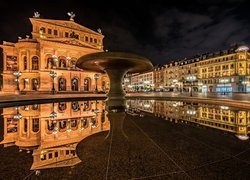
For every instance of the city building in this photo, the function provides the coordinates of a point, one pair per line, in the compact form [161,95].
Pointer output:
[51,132]
[159,78]
[142,82]
[46,60]
[224,71]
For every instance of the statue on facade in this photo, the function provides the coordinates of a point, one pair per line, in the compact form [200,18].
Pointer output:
[36,15]
[71,15]
[99,30]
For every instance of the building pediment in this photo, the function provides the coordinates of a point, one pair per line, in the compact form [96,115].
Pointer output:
[67,24]
[71,41]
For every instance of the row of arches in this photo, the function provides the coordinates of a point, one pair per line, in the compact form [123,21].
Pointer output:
[34,63]
[60,62]
[62,84]
[34,84]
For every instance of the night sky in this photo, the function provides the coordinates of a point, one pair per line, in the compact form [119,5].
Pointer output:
[159,32]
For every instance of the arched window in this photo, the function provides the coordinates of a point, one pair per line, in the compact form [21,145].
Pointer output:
[35,124]
[25,63]
[93,123]
[35,63]
[86,105]
[35,84]
[75,106]
[50,125]
[62,84]
[62,106]
[73,123]
[50,62]
[84,123]
[74,84]
[73,63]
[86,84]
[63,124]
[62,62]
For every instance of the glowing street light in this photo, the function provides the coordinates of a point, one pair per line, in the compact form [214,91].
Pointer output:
[53,75]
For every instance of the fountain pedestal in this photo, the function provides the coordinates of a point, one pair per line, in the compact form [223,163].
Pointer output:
[116,65]
[116,95]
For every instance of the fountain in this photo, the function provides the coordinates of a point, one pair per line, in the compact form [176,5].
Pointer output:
[116,65]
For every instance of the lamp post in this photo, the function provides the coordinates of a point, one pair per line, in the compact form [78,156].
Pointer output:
[191,79]
[53,75]
[96,76]
[17,74]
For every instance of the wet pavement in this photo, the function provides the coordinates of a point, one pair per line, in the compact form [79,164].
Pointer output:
[125,145]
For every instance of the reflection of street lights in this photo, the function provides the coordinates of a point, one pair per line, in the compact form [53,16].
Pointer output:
[96,76]
[191,112]
[224,81]
[53,75]
[17,74]
[191,79]
[53,114]
[96,110]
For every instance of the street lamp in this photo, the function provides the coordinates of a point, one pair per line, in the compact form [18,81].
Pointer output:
[17,74]
[191,79]
[96,76]
[53,75]
[224,81]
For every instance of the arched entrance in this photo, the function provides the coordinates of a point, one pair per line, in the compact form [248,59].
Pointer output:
[62,84]
[35,84]
[74,84]
[86,84]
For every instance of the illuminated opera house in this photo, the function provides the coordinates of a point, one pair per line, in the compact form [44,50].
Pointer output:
[48,58]
[51,132]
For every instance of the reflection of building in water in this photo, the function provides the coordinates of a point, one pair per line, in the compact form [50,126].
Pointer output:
[144,105]
[52,131]
[219,117]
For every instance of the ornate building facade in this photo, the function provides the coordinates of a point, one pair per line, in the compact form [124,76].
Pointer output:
[224,71]
[48,59]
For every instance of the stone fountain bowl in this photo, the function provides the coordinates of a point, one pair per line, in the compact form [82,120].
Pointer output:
[102,61]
